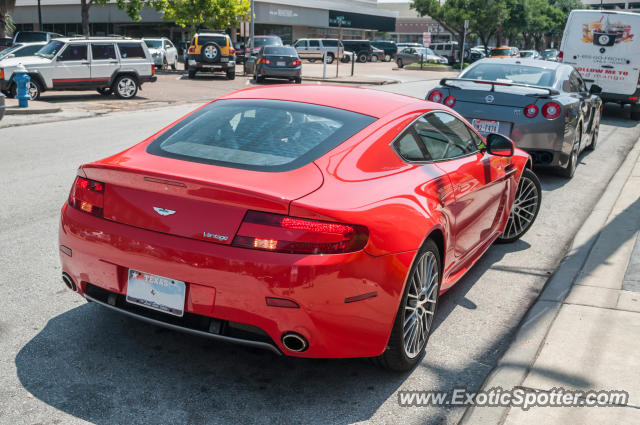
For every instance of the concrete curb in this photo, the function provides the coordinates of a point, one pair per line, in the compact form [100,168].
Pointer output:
[338,80]
[514,365]
[14,110]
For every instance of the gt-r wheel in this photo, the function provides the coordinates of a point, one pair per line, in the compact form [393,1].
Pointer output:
[126,87]
[524,209]
[570,169]
[594,136]
[416,313]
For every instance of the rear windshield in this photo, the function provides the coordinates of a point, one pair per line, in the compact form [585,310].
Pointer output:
[280,50]
[511,73]
[502,52]
[220,40]
[264,135]
[31,37]
[267,41]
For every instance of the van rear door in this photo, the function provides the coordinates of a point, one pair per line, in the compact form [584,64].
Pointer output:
[605,49]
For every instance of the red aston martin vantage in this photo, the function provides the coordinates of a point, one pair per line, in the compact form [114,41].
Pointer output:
[313,221]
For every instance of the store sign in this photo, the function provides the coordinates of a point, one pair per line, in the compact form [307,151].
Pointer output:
[362,21]
[426,38]
[290,15]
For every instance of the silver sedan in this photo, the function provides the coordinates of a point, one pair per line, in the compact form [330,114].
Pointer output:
[544,107]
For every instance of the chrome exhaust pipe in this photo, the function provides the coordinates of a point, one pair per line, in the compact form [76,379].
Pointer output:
[69,282]
[294,342]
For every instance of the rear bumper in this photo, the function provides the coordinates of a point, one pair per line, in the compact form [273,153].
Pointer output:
[621,98]
[230,284]
[269,71]
[194,63]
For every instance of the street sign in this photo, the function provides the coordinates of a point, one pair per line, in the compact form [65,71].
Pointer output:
[466,24]
[426,38]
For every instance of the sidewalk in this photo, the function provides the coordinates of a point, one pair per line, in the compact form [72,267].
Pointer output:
[583,333]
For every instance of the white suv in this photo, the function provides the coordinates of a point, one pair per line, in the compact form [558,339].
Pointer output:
[109,65]
[315,48]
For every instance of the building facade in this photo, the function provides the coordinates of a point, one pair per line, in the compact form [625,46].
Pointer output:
[289,19]
[410,26]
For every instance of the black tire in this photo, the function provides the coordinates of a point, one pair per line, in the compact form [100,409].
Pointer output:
[400,64]
[395,356]
[362,57]
[192,74]
[258,78]
[311,60]
[165,64]
[298,80]
[594,134]
[131,89]
[174,65]
[635,112]
[211,53]
[528,176]
[345,59]
[387,58]
[7,93]
[330,58]
[570,169]
[105,91]
[231,75]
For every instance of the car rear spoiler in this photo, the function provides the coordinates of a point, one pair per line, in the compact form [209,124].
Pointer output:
[551,92]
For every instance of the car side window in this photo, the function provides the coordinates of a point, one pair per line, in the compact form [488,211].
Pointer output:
[300,44]
[131,51]
[409,148]
[445,136]
[314,43]
[574,83]
[74,52]
[167,44]
[103,51]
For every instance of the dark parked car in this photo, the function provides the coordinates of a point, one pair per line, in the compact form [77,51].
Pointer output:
[388,47]
[362,49]
[2,107]
[544,107]
[550,55]
[275,62]
[475,55]
[240,54]
[5,43]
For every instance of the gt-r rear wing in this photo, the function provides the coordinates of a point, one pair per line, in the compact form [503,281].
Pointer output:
[550,92]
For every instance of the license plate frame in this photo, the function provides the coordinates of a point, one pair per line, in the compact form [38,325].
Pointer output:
[155,292]
[486,126]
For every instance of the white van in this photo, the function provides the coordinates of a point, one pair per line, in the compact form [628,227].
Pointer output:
[604,46]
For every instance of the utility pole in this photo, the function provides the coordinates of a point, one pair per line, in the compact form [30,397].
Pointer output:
[39,17]
[252,25]
[464,40]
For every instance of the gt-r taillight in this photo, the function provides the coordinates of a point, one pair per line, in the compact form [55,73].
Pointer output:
[294,235]
[551,110]
[435,96]
[87,195]
[450,101]
[296,62]
[531,111]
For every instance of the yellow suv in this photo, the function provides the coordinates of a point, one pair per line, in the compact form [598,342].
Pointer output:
[211,52]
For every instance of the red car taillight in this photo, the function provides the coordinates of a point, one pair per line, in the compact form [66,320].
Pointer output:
[87,195]
[435,96]
[264,61]
[281,233]
[530,111]
[192,49]
[296,62]
[560,56]
[153,70]
[450,101]
[551,110]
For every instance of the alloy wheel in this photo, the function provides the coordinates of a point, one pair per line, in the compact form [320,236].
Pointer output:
[34,91]
[419,309]
[126,87]
[524,209]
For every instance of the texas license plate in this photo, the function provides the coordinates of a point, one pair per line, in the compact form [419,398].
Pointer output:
[156,292]
[486,126]
[281,63]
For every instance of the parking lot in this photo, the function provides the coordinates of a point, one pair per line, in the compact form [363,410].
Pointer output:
[65,361]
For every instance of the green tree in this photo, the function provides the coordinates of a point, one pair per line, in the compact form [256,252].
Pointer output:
[450,15]
[487,18]
[5,20]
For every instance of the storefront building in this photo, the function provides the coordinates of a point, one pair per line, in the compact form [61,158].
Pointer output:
[285,18]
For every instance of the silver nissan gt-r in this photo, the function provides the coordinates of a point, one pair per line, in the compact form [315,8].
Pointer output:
[544,107]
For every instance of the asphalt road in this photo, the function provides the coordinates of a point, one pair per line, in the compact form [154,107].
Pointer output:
[63,361]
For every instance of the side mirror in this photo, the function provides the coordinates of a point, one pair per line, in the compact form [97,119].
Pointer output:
[499,145]
[595,89]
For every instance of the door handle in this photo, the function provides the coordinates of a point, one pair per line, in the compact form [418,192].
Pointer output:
[85,62]
[607,66]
